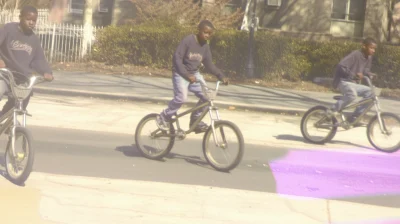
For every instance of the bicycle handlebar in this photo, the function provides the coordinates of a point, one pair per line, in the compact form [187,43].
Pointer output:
[205,85]
[368,80]
[33,80]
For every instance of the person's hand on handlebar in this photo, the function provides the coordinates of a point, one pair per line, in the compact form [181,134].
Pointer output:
[372,75]
[48,77]
[360,76]
[2,64]
[225,81]
[192,79]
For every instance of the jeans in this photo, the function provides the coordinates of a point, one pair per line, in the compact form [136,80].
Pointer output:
[350,92]
[181,88]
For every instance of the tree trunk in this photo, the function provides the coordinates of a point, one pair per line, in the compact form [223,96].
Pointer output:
[87,26]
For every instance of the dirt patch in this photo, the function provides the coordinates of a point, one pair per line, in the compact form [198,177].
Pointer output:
[103,69]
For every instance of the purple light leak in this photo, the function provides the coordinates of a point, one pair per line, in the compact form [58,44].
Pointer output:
[330,174]
[372,222]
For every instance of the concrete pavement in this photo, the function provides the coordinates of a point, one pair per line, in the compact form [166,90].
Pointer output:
[120,116]
[155,89]
[74,199]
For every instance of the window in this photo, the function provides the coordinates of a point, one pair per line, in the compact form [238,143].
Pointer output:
[76,6]
[273,3]
[103,6]
[352,10]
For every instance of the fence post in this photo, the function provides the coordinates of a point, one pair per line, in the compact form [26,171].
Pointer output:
[52,42]
[87,26]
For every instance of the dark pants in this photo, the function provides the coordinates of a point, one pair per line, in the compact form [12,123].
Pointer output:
[4,88]
[11,103]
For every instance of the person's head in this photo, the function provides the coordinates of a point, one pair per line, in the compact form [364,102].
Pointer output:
[28,17]
[369,46]
[206,29]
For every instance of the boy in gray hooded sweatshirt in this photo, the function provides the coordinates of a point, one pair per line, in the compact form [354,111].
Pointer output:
[21,52]
[348,75]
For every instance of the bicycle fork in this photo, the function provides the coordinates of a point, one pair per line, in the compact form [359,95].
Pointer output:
[380,121]
[214,116]
[17,112]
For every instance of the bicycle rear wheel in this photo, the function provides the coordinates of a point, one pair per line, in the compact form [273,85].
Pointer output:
[151,141]
[316,117]
[227,137]
[19,167]
[388,140]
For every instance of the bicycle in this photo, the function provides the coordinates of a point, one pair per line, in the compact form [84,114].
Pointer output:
[218,129]
[330,123]
[14,159]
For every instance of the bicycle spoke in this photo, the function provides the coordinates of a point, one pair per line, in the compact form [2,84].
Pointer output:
[218,154]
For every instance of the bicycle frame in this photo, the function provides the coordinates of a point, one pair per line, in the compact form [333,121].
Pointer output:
[11,116]
[373,101]
[12,122]
[213,116]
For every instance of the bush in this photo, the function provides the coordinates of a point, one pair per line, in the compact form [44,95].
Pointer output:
[276,57]
[142,45]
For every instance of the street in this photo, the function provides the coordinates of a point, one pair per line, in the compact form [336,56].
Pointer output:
[95,139]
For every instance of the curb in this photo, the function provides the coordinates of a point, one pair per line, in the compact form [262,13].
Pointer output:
[141,98]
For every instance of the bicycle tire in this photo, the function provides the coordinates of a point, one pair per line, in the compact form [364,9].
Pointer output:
[239,136]
[305,133]
[19,180]
[369,132]
[138,133]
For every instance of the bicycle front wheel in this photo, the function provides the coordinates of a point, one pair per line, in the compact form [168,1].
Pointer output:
[19,166]
[225,151]
[315,118]
[388,139]
[151,141]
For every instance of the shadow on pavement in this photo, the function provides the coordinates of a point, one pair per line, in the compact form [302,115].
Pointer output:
[2,167]
[301,139]
[384,200]
[3,171]
[132,151]
[253,172]
[129,151]
[194,160]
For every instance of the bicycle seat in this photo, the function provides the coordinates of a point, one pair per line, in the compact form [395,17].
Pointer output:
[338,97]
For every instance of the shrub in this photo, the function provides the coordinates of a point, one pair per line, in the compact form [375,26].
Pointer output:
[276,57]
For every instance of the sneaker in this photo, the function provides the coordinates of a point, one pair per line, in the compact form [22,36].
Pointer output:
[162,122]
[351,119]
[200,128]
[331,113]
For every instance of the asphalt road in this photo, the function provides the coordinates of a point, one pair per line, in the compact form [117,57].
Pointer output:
[319,173]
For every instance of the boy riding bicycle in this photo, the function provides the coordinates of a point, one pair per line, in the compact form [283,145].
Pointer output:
[188,57]
[349,74]
[21,52]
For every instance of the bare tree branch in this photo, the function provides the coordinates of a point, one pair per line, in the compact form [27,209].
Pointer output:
[186,12]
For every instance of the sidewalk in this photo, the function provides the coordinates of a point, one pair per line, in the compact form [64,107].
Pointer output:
[125,201]
[154,89]
[49,198]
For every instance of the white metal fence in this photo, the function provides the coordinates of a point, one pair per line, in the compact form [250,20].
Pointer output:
[61,42]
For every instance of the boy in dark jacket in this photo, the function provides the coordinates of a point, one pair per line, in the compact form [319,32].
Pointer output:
[188,57]
[348,75]
[21,52]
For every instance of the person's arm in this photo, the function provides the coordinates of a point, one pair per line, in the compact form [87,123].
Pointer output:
[40,64]
[3,35]
[207,61]
[345,64]
[180,53]
[367,70]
